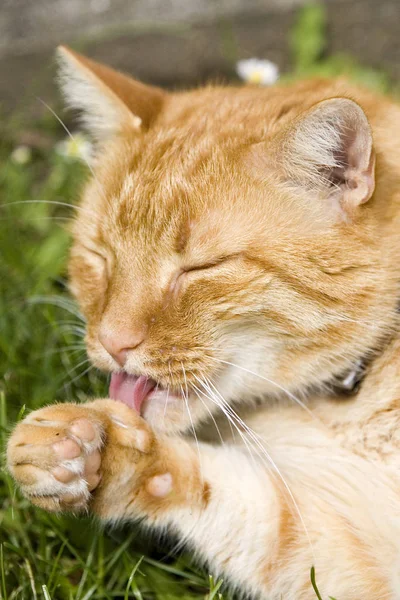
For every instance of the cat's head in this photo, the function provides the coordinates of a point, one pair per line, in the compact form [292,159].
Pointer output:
[223,249]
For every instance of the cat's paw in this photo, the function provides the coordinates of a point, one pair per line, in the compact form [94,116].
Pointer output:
[54,454]
[101,455]
[60,454]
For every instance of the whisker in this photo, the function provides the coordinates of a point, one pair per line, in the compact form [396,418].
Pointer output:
[51,202]
[48,218]
[231,423]
[186,399]
[71,371]
[277,385]
[208,383]
[74,331]
[73,325]
[67,131]
[166,404]
[196,391]
[80,375]
[70,350]
[60,302]
[256,439]
[70,323]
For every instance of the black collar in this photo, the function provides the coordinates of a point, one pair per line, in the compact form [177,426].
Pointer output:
[350,383]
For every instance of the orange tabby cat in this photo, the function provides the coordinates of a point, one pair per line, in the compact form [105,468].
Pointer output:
[236,245]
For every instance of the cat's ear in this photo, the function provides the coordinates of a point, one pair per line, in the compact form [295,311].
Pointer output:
[108,101]
[329,149]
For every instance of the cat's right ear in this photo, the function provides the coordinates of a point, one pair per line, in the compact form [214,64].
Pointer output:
[108,101]
[326,151]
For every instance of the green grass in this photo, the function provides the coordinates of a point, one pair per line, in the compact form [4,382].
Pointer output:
[42,359]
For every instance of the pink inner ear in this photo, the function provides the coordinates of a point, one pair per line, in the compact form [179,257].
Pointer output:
[329,150]
[369,175]
[359,184]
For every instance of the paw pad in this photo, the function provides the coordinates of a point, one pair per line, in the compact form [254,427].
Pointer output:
[63,475]
[84,430]
[67,449]
[160,485]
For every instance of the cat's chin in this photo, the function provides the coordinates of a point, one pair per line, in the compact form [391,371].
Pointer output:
[165,412]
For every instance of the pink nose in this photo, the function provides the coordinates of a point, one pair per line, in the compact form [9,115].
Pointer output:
[119,343]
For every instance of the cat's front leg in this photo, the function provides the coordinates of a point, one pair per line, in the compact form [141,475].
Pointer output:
[61,453]
[103,457]
[227,504]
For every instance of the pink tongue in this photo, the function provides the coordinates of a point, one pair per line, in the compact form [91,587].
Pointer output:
[130,390]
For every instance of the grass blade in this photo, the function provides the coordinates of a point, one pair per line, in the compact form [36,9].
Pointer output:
[46,593]
[3,575]
[136,591]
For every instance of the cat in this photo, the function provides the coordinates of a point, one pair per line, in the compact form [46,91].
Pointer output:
[236,255]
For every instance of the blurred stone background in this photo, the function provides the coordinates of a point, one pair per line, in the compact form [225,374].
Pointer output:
[176,42]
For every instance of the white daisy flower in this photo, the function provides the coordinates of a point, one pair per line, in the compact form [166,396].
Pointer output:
[21,155]
[257,71]
[77,147]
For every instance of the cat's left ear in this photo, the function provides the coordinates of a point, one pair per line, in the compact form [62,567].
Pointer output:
[108,101]
[328,150]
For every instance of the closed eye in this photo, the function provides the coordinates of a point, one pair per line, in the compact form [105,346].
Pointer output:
[95,251]
[203,267]
[209,265]
[98,257]
[184,272]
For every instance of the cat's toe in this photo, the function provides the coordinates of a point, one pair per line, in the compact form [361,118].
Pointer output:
[56,461]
